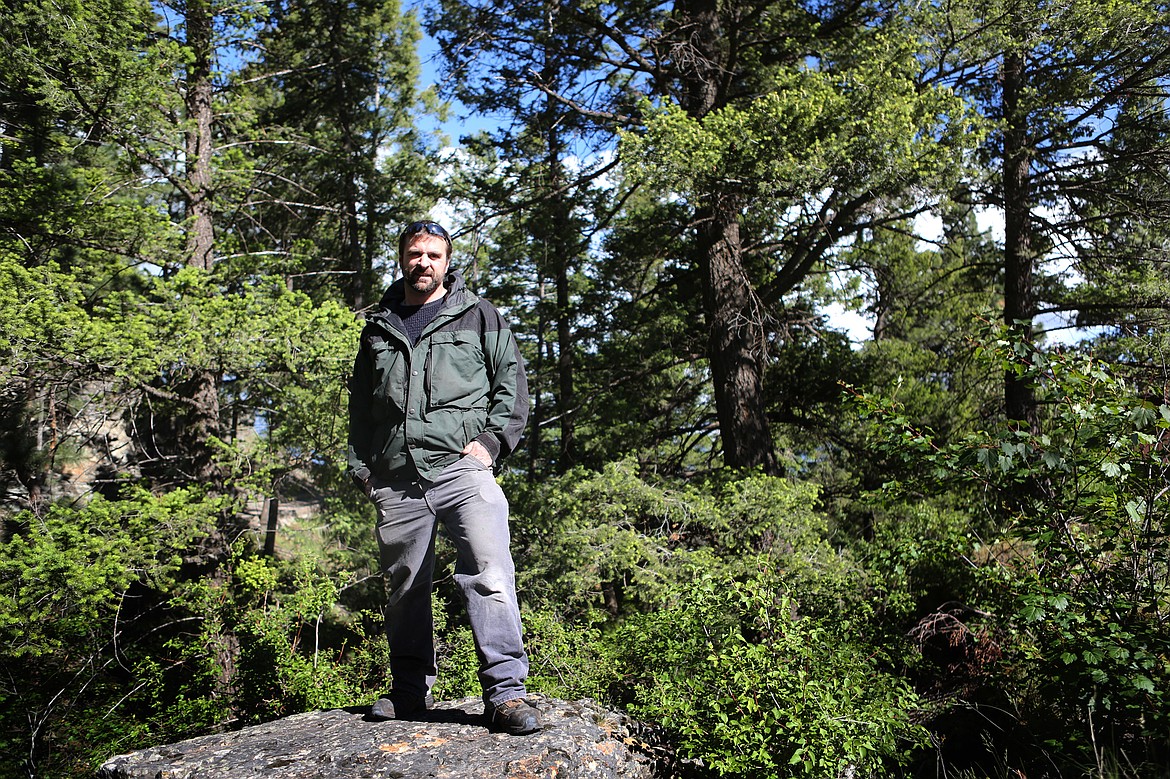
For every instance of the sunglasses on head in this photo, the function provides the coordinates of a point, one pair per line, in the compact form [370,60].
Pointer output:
[424,226]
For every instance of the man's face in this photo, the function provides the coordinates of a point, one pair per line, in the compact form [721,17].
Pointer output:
[424,265]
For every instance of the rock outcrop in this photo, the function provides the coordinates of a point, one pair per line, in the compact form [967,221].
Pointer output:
[452,740]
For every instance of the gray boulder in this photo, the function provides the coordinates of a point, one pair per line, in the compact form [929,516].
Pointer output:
[580,739]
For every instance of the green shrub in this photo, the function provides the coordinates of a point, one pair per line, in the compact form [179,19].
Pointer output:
[1076,575]
[568,661]
[83,602]
[608,541]
[297,649]
[752,690]
[618,542]
[457,659]
[918,558]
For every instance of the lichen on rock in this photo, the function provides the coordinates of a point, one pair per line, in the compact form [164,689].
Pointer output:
[580,739]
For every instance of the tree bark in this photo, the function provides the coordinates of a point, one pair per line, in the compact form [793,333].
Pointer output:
[735,342]
[562,246]
[566,392]
[560,241]
[736,337]
[536,418]
[1018,299]
[201,422]
[350,230]
[200,229]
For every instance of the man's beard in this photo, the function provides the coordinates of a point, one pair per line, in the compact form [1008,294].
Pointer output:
[425,284]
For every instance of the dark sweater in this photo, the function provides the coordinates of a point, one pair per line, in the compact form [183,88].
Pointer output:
[416,318]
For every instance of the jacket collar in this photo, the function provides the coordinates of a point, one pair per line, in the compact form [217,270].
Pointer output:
[457,300]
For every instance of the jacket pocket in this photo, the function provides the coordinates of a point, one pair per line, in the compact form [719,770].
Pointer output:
[456,371]
[389,375]
[474,423]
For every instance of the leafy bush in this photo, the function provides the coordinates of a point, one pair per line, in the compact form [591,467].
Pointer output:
[569,661]
[289,658]
[82,604]
[458,660]
[917,558]
[1079,573]
[718,610]
[619,542]
[752,689]
[608,541]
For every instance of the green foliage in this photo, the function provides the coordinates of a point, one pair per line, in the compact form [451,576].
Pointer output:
[65,573]
[458,664]
[639,388]
[593,540]
[180,692]
[918,558]
[344,159]
[756,674]
[570,660]
[110,644]
[863,122]
[1080,563]
[271,639]
[83,594]
[753,689]
[128,617]
[282,359]
[285,663]
[618,542]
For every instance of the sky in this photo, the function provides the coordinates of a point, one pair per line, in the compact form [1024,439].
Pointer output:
[460,120]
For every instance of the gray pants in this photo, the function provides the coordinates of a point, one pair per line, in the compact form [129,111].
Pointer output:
[471,506]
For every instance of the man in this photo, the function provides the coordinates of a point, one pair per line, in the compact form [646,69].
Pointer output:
[438,397]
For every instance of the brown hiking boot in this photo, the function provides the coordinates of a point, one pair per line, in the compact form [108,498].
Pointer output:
[517,716]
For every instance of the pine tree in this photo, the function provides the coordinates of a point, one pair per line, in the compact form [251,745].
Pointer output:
[337,86]
[545,186]
[777,160]
[1056,84]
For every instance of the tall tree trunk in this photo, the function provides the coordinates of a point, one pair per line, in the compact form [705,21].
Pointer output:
[883,304]
[565,367]
[536,418]
[199,426]
[563,247]
[349,243]
[201,234]
[351,240]
[201,392]
[366,292]
[736,338]
[561,241]
[1018,302]
[735,342]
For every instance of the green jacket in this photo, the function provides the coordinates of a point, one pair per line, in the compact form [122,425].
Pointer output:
[412,410]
